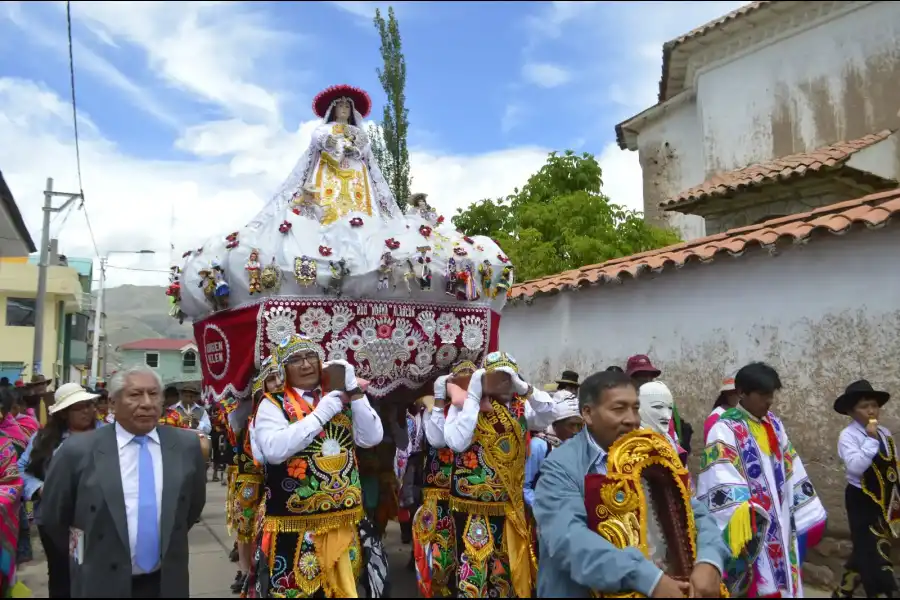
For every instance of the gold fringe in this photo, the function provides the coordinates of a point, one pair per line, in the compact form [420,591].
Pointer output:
[739,531]
[436,494]
[314,523]
[474,507]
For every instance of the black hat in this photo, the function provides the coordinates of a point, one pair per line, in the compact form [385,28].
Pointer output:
[568,378]
[855,392]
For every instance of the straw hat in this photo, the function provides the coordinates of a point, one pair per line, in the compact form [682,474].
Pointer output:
[68,395]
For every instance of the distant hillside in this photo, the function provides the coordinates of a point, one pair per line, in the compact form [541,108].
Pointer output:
[135,312]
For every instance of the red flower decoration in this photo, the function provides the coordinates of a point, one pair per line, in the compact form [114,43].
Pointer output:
[460,251]
[392,243]
[232,244]
[384,331]
[285,227]
[425,230]
[232,236]
[356,222]
[468,239]
[502,258]
[324,250]
[440,219]
[186,254]
[296,211]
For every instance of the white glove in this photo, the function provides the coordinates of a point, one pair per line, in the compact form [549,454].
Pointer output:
[440,388]
[328,407]
[350,382]
[475,386]
[519,385]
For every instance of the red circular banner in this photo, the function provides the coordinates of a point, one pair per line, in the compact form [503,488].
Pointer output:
[215,351]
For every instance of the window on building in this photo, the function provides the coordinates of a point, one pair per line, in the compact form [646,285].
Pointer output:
[20,312]
[80,327]
[189,360]
[152,359]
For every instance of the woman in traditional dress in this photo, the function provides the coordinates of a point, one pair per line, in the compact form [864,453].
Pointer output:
[728,398]
[10,428]
[10,501]
[73,412]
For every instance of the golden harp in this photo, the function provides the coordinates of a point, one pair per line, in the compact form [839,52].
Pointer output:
[644,501]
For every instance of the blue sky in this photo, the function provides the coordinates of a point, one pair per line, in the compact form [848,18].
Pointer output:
[199,109]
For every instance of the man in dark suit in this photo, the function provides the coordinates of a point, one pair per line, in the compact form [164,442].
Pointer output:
[121,499]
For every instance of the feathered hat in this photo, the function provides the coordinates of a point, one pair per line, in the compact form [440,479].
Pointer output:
[323,100]
[295,344]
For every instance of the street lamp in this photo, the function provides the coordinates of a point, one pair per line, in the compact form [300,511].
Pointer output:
[98,315]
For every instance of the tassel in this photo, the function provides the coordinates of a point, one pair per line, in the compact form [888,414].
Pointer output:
[740,528]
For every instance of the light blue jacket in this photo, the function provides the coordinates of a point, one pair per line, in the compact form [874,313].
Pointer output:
[574,559]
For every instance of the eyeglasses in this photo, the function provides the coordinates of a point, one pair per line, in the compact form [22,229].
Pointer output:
[310,358]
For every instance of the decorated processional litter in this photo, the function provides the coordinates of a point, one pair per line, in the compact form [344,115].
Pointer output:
[332,257]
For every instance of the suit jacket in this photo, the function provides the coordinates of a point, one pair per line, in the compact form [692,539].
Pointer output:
[83,490]
[574,559]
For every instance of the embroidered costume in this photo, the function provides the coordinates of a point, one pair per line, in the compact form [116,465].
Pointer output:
[759,493]
[434,530]
[10,494]
[309,541]
[494,541]
[872,498]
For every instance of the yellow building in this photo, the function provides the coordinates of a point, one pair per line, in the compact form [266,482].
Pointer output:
[18,291]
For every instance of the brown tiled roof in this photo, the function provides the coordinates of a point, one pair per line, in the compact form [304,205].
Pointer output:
[773,171]
[672,45]
[873,211]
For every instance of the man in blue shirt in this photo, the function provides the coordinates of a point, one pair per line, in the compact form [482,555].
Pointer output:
[576,560]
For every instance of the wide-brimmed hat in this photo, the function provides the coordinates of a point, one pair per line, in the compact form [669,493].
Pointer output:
[728,383]
[640,363]
[191,386]
[68,395]
[855,392]
[323,100]
[568,378]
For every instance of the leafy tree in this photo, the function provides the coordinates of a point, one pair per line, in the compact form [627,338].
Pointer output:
[561,220]
[394,159]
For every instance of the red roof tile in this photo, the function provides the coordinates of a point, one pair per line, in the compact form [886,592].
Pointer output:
[672,45]
[773,171]
[873,211]
[156,344]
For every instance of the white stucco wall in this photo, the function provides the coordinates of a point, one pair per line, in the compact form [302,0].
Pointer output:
[824,314]
[835,81]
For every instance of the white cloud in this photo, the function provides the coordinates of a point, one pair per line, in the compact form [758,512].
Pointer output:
[546,75]
[512,116]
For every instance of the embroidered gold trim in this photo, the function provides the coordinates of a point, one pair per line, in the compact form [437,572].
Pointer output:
[474,507]
[436,494]
[313,523]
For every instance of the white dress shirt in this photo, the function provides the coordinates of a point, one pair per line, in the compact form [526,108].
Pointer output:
[277,440]
[129,456]
[204,425]
[433,422]
[857,449]
[459,428]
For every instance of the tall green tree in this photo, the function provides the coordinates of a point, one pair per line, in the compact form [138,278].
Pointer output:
[561,220]
[394,160]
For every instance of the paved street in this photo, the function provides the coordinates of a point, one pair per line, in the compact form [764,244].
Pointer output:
[212,573]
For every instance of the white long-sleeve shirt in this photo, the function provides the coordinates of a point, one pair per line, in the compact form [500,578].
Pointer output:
[203,422]
[857,449]
[277,440]
[129,463]
[459,428]
[433,422]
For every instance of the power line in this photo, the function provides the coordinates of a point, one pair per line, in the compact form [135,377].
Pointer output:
[137,269]
[74,104]
[87,220]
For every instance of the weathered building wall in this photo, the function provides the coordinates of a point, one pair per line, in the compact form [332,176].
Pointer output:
[776,91]
[824,314]
[672,160]
[835,81]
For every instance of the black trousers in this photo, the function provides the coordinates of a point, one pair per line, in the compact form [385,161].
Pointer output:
[145,586]
[58,584]
[870,562]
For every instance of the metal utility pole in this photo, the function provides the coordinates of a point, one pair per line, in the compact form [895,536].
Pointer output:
[98,320]
[98,314]
[49,194]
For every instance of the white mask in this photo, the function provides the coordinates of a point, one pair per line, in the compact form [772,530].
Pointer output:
[656,407]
